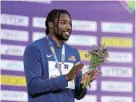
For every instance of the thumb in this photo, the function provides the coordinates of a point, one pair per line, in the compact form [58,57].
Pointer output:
[77,63]
[90,71]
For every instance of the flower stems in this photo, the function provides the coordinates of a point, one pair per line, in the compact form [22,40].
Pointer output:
[96,56]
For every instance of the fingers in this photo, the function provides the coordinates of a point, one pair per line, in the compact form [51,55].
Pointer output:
[95,74]
[77,63]
[89,72]
[74,71]
[79,67]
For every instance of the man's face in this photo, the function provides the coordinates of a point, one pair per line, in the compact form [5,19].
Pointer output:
[63,27]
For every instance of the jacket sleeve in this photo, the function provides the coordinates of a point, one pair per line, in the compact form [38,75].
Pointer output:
[79,91]
[33,71]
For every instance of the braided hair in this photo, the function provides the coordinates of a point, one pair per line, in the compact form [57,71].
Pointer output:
[52,15]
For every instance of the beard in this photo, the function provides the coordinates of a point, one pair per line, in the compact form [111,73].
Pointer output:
[61,36]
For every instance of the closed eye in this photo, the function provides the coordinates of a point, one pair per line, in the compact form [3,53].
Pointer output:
[63,22]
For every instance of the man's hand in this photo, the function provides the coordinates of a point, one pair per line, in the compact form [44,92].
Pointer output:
[86,75]
[74,71]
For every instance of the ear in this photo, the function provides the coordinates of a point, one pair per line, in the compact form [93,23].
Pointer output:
[50,24]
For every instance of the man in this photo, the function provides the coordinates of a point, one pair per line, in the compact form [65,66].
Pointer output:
[53,68]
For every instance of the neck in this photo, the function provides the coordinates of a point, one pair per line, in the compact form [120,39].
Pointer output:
[59,42]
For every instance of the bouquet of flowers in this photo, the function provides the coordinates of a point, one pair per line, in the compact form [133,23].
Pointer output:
[95,57]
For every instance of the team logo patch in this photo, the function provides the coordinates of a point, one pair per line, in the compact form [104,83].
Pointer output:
[72,58]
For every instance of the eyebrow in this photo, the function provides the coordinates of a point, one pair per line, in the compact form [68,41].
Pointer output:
[65,20]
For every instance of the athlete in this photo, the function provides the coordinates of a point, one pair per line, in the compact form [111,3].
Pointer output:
[53,68]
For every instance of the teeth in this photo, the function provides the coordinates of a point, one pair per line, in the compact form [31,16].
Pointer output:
[67,33]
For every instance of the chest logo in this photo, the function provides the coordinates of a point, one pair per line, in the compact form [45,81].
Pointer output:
[49,55]
[72,58]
